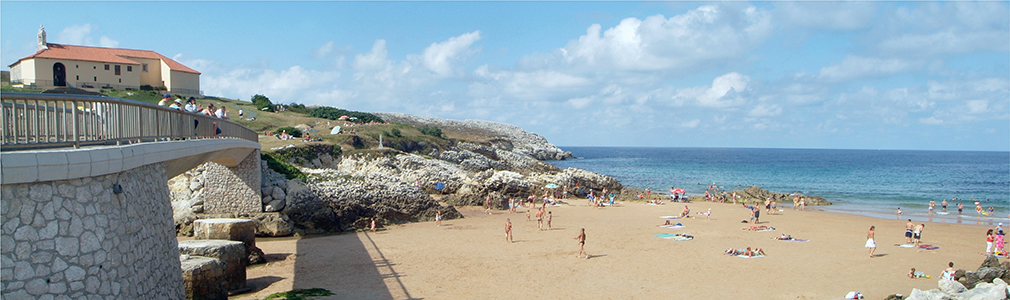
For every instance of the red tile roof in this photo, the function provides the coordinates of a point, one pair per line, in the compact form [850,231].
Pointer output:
[110,55]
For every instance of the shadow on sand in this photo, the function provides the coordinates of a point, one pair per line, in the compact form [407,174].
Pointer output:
[344,265]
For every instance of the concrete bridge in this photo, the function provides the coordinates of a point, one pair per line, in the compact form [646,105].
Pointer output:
[85,203]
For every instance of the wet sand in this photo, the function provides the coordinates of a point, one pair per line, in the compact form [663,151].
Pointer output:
[469,258]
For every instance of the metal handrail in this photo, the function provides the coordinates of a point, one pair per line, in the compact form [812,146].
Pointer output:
[58,120]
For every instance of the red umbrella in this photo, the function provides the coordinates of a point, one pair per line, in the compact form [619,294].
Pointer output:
[678,191]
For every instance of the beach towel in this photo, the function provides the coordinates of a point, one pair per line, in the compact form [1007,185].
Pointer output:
[672,226]
[793,240]
[766,230]
[669,217]
[928,247]
[905,245]
[674,236]
[755,256]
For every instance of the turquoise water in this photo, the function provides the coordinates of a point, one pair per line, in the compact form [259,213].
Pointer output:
[870,182]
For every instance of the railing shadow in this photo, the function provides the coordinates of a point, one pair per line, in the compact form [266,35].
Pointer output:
[349,265]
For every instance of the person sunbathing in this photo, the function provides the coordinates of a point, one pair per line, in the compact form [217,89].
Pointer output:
[757,228]
[686,212]
[752,253]
[733,251]
[785,237]
[666,224]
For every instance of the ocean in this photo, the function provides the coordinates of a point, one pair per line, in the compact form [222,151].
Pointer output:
[866,182]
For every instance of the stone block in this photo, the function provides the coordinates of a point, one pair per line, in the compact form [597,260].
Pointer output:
[203,278]
[231,252]
[241,230]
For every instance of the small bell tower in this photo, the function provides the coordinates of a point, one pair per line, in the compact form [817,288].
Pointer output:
[42,39]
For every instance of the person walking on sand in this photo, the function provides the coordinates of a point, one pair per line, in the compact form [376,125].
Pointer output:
[908,231]
[438,218]
[373,224]
[917,234]
[508,230]
[803,204]
[582,243]
[870,243]
[540,219]
[487,202]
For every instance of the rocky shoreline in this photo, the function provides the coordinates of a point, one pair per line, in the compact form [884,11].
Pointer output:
[344,192]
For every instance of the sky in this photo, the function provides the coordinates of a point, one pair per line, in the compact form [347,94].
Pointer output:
[827,75]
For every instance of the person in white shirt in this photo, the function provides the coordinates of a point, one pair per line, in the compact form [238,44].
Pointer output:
[221,113]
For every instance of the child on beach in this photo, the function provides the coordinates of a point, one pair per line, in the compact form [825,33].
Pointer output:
[438,218]
[549,217]
[917,274]
[508,230]
[582,243]
[870,243]
[989,237]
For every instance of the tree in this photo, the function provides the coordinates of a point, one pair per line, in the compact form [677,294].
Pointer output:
[262,102]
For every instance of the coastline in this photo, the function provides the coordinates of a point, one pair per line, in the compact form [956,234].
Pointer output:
[467,258]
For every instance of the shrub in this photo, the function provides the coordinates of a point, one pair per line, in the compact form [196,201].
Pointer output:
[431,130]
[291,130]
[395,132]
[262,102]
[333,113]
[289,171]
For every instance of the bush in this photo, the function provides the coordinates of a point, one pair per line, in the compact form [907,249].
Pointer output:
[262,102]
[431,130]
[333,113]
[289,171]
[298,108]
[291,130]
[395,132]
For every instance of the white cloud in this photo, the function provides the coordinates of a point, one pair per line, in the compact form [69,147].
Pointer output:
[702,35]
[854,67]
[827,15]
[721,94]
[765,110]
[439,57]
[947,41]
[374,59]
[579,103]
[80,34]
[323,50]
[691,124]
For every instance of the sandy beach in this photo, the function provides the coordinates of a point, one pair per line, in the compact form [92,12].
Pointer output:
[469,258]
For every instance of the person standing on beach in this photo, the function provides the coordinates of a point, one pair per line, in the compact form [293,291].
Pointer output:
[768,206]
[373,225]
[917,234]
[898,212]
[508,230]
[549,217]
[487,202]
[908,231]
[989,237]
[582,243]
[757,215]
[438,218]
[978,208]
[796,202]
[870,243]
[998,239]
[540,219]
[803,204]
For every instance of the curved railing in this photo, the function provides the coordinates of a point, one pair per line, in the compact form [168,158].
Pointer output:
[59,120]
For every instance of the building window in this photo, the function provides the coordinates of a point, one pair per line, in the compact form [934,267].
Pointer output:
[129,68]
[106,67]
[77,66]
[118,71]
[78,77]
[94,67]
[143,67]
[96,78]
[120,80]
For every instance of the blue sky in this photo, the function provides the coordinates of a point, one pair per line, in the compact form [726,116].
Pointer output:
[844,75]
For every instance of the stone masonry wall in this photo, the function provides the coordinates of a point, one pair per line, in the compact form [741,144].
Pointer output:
[232,190]
[76,239]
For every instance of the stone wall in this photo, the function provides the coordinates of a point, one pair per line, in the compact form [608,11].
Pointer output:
[70,238]
[213,188]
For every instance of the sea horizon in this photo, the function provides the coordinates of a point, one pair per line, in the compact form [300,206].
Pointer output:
[859,181]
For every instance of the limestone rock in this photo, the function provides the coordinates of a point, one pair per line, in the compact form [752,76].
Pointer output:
[933,294]
[232,253]
[987,274]
[950,286]
[990,262]
[274,206]
[277,193]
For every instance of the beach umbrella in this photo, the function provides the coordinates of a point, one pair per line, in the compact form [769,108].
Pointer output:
[336,130]
[551,186]
[678,191]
